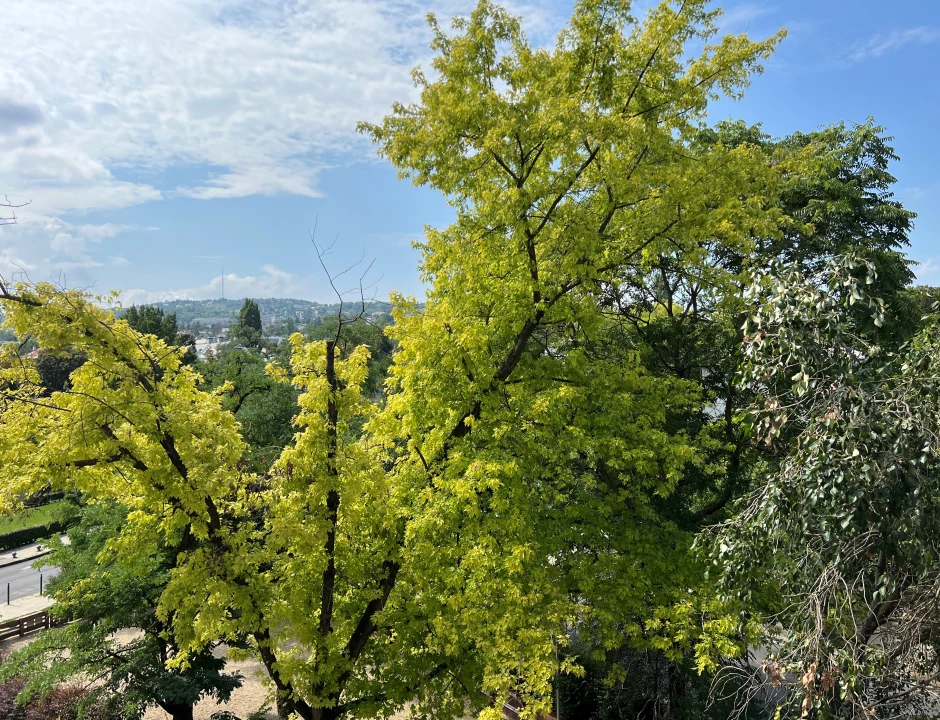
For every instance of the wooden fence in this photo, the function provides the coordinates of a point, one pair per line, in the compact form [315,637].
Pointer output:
[24,625]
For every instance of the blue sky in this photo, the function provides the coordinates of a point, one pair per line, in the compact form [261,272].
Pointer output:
[161,141]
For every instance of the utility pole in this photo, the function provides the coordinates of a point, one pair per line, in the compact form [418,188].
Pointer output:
[223,281]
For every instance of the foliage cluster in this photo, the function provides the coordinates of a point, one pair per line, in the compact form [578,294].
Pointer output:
[66,702]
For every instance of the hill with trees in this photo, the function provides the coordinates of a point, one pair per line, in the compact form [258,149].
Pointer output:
[273,310]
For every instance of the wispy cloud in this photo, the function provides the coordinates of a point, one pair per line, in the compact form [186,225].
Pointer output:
[264,92]
[738,18]
[919,193]
[44,247]
[881,43]
[927,268]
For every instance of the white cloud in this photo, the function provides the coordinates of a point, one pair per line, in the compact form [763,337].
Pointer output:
[98,97]
[73,241]
[260,90]
[881,43]
[46,247]
[272,282]
[258,182]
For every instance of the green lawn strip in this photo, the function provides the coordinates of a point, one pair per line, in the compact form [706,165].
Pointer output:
[34,517]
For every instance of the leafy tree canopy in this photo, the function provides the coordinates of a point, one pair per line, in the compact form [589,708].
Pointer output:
[56,367]
[835,551]
[508,489]
[151,320]
[247,329]
[99,596]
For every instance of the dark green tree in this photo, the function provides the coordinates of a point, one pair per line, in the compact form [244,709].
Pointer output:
[55,368]
[99,596]
[151,320]
[247,329]
[265,408]
[835,551]
[834,196]
[841,202]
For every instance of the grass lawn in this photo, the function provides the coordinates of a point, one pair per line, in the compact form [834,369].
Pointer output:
[33,517]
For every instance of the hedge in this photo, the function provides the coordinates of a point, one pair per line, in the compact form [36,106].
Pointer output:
[26,536]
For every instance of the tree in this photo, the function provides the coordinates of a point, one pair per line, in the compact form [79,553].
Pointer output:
[844,203]
[263,406]
[98,598]
[350,335]
[506,489]
[247,329]
[836,199]
[150,320]
[55,368]
[835,551]
[63,703]
[685,318]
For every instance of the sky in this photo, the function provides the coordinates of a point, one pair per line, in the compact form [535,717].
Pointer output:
[160,144]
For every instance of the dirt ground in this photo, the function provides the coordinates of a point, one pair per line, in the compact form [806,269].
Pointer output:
[244,701]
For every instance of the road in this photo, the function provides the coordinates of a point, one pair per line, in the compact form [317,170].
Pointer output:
[23,579]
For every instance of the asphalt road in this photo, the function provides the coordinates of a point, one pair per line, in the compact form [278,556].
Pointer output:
[23,579]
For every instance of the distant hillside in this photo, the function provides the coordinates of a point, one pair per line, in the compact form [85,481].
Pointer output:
[214,312]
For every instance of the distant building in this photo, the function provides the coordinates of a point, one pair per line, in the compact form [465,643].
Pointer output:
[205,344]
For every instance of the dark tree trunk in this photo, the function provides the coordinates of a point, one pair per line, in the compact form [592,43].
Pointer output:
[178,711]
[284,707]
[326,714]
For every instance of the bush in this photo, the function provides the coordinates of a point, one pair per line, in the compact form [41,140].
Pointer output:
[25,536]
[63,703]
[8,692]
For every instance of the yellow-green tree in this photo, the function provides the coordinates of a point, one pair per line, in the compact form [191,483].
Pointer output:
[504,491]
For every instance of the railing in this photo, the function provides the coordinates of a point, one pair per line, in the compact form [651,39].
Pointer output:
[26,624]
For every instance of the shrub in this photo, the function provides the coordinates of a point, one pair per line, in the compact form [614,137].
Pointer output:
[8,692]
[63,703]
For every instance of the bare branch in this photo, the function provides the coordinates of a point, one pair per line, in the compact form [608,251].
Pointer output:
[11,218]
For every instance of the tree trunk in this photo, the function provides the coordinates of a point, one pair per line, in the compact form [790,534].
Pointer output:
[330,713]
[178,711]
[284,707]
